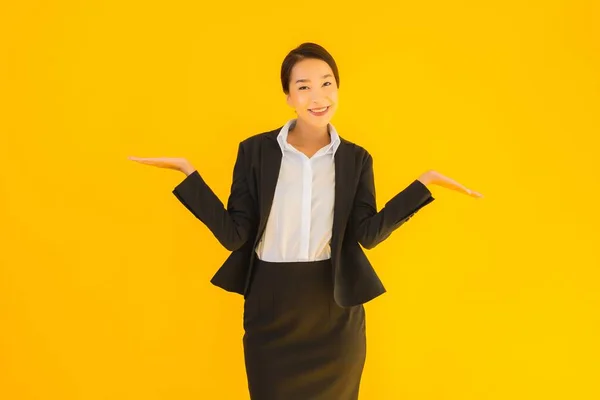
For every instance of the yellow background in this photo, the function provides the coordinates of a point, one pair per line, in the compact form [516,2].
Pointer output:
[104,275]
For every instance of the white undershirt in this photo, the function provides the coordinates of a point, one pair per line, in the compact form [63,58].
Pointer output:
[301,217]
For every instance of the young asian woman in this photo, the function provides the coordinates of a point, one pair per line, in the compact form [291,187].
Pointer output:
[301,209]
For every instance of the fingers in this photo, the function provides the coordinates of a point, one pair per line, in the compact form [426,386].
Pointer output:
[454,185]
[472,193]
[437,178]
[140,159]
[149,161]
[143,160]
[161,162]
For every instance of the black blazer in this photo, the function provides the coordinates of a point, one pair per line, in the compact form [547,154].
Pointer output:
[355,221]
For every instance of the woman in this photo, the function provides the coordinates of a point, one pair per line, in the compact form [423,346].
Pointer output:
[302,202]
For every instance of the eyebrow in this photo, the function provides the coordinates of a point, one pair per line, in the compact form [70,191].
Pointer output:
[308,80]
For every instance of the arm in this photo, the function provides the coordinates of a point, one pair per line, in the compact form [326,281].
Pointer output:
[231,226]
[371,227]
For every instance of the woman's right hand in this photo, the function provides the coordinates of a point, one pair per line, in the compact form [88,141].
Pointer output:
[176,163]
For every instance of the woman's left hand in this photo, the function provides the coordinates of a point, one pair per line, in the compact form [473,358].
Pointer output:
[436,178]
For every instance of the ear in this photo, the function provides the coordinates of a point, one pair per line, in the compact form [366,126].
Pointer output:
[288,99]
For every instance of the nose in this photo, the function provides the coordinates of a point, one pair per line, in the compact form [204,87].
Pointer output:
[317,97]
[317,100]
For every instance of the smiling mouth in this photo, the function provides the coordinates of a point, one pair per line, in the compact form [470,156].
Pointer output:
[319,111]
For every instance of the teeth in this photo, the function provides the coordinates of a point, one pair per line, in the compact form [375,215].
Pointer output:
[319,109]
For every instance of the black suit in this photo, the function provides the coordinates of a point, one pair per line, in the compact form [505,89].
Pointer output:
[356,220]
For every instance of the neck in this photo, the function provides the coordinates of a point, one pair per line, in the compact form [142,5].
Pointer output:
[305,134]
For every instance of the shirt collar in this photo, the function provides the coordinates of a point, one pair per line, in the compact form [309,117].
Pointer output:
[283,134]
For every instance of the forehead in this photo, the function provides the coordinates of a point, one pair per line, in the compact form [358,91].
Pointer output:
[310,68]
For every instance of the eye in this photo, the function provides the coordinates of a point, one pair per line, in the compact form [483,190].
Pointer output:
[329,84]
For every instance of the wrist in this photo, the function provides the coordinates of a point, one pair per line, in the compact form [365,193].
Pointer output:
[425,178]
[187,170]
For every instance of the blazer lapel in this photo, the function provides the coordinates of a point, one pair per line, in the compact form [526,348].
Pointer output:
[344,183]
[270,164]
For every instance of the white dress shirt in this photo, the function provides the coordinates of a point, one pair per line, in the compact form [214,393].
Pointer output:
[301,218]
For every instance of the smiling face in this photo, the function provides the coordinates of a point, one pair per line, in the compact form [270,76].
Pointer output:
[313,92]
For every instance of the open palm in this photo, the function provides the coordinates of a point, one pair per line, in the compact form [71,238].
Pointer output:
[436,178]
[175,163]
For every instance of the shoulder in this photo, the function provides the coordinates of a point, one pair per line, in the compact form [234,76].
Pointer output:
[252,146]
[361,154]
[257,139]
[355,147]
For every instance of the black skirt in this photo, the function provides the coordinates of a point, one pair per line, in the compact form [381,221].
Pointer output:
[298,343]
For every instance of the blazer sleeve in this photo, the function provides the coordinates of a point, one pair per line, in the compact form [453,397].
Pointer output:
[371,227]
[231,226]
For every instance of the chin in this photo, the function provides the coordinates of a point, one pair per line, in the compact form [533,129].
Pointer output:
[317,121]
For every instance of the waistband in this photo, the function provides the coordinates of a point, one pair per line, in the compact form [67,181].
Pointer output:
[260,262]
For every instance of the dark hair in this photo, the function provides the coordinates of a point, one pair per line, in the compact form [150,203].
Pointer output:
[305,50]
